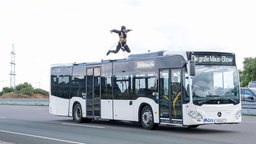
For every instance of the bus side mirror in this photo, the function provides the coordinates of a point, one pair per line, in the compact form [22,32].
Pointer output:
[191,65]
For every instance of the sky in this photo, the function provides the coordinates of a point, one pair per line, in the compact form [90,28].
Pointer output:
[47,32]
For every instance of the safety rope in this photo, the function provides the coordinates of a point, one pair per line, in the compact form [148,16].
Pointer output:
[122,48]
[108,50]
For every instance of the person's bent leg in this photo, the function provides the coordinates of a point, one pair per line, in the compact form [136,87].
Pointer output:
[118,47]
[127,48]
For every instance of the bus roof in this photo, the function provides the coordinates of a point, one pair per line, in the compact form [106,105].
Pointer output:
[141,56]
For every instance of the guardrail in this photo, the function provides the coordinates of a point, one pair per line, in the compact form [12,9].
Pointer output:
[25,101]
[247,107]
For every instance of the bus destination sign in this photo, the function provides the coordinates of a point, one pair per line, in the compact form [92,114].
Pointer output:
[213,58]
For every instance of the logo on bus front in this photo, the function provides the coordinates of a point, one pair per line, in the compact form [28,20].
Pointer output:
[208,120]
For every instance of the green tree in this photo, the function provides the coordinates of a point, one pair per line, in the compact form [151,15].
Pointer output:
[249,71]
[6,90]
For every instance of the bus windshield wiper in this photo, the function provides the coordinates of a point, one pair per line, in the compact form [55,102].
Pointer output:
[206,101]
[214,100]
[233,101]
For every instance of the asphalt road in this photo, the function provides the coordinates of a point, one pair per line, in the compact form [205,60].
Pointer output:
[34,125]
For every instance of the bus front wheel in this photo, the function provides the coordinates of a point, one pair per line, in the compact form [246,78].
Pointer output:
[77,113]
[147,118]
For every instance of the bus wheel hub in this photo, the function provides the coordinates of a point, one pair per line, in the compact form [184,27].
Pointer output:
[147,117]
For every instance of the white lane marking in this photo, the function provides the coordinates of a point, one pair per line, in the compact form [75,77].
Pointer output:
[41,137]
[82,125]
[4,142]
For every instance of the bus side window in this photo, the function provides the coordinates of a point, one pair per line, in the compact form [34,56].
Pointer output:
[64,83]
[106,83]
[122,88]
[54,85]
[116,89]
[145,86]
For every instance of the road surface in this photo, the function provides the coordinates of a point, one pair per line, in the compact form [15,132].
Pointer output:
[34,125]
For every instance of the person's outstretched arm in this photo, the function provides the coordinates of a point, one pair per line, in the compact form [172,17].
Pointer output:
[114,30]
[128,30]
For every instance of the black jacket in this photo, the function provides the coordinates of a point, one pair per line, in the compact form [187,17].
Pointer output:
[122,35]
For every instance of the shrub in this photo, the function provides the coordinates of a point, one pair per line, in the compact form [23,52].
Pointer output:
[41,91]
[25,89]
[6,90]
[25,85]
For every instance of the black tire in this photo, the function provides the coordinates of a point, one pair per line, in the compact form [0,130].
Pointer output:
[87,120]
[147,118]
[77,113]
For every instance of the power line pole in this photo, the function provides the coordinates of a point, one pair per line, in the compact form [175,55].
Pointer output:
[12,73]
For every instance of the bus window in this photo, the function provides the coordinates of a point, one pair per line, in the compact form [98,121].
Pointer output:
[140,85]
[122,88]
[152,87]
[145,86]
[63,83]
[78,81]
[185,88]
[106,87]
[54,85]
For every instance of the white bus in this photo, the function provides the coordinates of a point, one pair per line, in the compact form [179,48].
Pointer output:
[170,88]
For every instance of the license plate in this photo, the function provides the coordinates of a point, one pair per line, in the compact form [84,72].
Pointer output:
[220,120]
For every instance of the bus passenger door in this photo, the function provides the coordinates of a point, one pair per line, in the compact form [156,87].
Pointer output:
[176,102]
[93,83]
[164,103]
[170,103]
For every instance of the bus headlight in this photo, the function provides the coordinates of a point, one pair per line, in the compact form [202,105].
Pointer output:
[195,115]
[238,114]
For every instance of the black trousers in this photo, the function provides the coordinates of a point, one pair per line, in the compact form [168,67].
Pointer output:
[119,46]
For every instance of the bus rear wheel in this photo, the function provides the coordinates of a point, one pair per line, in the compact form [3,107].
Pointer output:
[147,118]
[77,113]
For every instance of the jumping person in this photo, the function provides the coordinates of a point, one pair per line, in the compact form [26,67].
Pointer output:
[122,40]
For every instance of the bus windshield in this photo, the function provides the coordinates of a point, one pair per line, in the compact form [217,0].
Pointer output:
[215,85]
